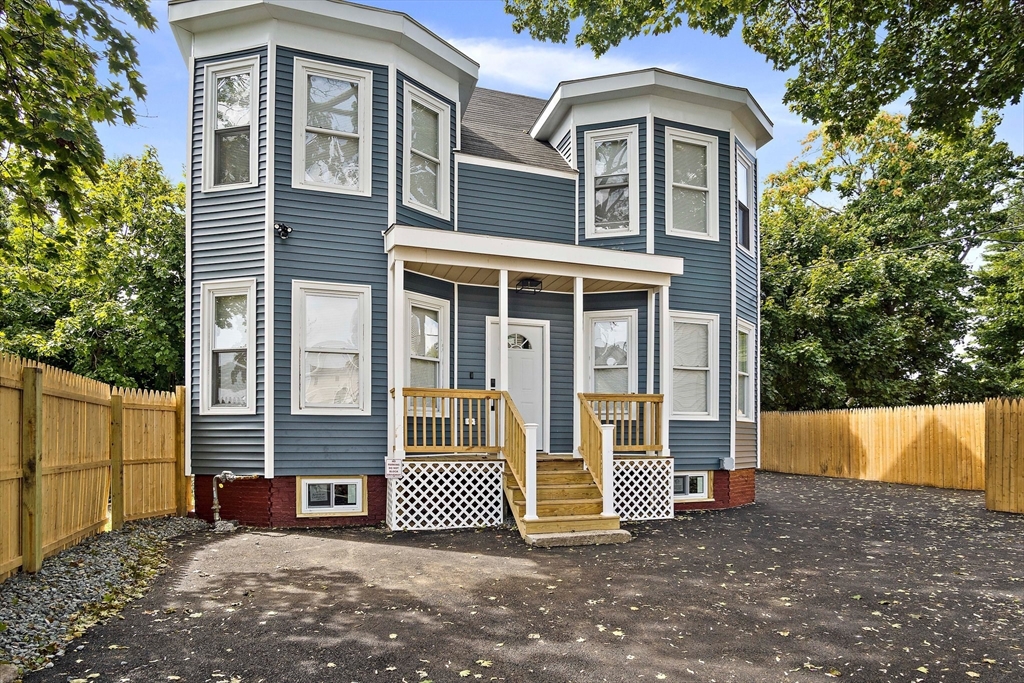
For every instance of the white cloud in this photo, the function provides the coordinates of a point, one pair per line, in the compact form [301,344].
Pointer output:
[537,68]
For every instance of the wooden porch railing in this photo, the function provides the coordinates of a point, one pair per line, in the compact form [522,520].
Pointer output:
[596,448]
[451,421]
[515,441]
[636,418]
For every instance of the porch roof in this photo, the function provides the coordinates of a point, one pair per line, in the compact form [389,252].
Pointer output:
[478,259]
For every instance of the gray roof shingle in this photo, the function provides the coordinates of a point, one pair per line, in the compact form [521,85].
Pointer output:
[496,125]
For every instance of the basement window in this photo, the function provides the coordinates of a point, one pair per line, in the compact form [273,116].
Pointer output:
[330,496]
[690,486]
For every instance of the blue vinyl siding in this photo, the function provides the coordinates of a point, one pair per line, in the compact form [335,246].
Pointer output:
[476,303]
[629,242]
[704,287]
[336,238]
[495,201]
[407,215]
[616,301]
[227,241]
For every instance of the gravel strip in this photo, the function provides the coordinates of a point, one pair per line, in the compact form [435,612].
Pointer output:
[88,582]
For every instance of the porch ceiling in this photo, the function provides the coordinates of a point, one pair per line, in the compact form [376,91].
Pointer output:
[478,259]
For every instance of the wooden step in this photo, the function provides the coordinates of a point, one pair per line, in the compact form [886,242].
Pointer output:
[586,491]
[564,507]
[560,465]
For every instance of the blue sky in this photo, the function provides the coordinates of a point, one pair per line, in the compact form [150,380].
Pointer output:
[510,62]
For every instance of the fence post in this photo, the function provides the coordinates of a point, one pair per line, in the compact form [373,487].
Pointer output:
[116,461]
[608,470]
[180,480]
[531,473]
[31,469]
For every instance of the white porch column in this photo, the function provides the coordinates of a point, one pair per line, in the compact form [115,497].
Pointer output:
[531,473]
[666,368]
[503,330]
[398,357]
[650,342]
[579,356]
[608,470]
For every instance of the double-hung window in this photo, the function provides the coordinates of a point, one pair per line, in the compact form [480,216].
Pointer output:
[330,348]
[694,366]
[427,152]
[331,127]
[744,380]
[691,176]
[613,352]
[428,341]
[231,92]
[612,182]
[744,202]
[228,342]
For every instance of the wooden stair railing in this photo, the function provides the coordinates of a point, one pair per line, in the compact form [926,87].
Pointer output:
[520,450]
[596,448]
[451,421]
[636,419]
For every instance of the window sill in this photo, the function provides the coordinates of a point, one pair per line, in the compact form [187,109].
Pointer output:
[606,235]
[693,500]
[227,411]
[342,412]
[692,418]
[214,189]
[751,420]
[332,189]
[692,235]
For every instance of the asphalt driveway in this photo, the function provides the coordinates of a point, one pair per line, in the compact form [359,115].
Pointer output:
[820,578]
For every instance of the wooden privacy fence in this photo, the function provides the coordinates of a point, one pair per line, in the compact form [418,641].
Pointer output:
[71,449]
[975,446]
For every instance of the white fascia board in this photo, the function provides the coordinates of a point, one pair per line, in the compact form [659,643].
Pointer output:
[463,158]
[428,245]
[653,82]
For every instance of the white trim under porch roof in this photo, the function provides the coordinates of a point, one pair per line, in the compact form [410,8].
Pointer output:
[500,261]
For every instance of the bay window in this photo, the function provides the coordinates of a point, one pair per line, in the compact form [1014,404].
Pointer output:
[231,92]
[744,380]
[228,341]
[694,356]
[427,152]
[612,182]
[691,191]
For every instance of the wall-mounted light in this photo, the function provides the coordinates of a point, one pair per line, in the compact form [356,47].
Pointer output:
[282,230]
[530,285]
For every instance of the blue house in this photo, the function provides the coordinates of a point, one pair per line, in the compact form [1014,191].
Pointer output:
[415,300]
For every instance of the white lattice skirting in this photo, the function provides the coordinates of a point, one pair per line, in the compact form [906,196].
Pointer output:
[445,495]
[643,488]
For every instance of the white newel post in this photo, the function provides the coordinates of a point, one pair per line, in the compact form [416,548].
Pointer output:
[608,470]
[398,357]
[531,473]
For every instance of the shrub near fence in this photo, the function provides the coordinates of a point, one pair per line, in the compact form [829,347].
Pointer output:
[68,445]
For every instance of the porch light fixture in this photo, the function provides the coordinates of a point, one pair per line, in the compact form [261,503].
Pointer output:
[282,230]
[529,285]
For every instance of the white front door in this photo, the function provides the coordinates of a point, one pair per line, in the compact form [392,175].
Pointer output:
[527,355]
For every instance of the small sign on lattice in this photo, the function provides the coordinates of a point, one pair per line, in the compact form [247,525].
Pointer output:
[445,495]
[643,488]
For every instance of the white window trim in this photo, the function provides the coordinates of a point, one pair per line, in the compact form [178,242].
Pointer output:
[208,291]
[742,326]
[708,494]
[590,139]
[443,308]
[299,290]
[302,509]
[210,75]
[412,93]
[744,164]
[711,320]
[303,67]
[589,318]
[710,142]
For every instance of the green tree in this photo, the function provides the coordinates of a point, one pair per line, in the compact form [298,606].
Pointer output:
[998,346]
[102,296]
[952,57]
[52,96]
[867,300]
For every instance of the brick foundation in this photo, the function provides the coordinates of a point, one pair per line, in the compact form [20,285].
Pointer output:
[731,489]
[271,503]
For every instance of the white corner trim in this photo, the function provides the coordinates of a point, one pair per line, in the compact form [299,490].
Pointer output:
[364,295]
[590,138]
[364,78]
[733,240]
[650,183]
[464,158]
[711,320]
[189,350]
[210,74]
[208,291]
[268,275]
[392,144]
[412,93]
[632,317]
[710,143]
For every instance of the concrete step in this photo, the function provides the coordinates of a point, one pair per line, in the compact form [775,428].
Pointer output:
[569,523]
[571,538]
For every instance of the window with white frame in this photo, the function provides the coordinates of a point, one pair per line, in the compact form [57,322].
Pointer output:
[744,202]
[744,379]
[612,182]
[428,341]
[227,370]
[231,91]
[691,176]
[331,496]
[613,352]
[694,366]
[330,348]
[691,486]
[331,127]
[427,158]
